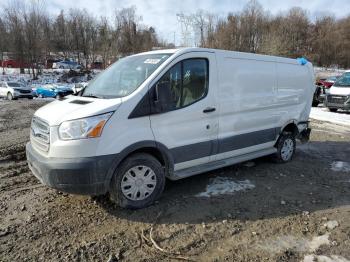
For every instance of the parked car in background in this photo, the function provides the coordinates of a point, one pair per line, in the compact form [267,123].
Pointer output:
[338,96]
[66,65]
[55,91]
[322,88]
[327,82]
[11,63]
[14,90]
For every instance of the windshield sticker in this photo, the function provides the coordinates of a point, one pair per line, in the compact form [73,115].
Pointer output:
[152,61]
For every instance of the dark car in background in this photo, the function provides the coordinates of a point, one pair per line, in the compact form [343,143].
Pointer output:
[322,88]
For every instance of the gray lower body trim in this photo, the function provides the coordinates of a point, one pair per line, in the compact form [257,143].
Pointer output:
[213,147]
[221,163]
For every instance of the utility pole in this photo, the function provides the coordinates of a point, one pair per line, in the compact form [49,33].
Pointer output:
[186,26]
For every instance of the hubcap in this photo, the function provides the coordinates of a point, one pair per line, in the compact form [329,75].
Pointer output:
[287,149]
[138,183]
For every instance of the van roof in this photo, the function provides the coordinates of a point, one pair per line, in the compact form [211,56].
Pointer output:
[226,53]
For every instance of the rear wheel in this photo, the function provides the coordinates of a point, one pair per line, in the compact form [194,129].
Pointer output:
[333,109]
[58,96]
[9,96]
[285,148]
[138,182]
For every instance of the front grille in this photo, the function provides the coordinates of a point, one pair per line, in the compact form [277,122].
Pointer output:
[335,99]
[40,134]
[24,91]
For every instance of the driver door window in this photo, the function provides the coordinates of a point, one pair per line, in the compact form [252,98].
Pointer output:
[185,83]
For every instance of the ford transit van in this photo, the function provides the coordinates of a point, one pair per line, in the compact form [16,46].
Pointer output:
[338,96]
[170,114]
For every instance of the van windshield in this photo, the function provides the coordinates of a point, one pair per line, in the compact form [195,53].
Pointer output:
[343,81]
[125,76]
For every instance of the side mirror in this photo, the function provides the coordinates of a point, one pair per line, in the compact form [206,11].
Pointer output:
[162,97]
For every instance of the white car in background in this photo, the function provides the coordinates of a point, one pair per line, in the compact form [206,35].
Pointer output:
[67,65]
[15,90]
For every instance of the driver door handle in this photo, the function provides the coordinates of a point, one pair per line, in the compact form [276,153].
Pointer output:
[209,110]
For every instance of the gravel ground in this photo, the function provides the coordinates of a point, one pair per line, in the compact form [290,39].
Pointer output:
[299,211]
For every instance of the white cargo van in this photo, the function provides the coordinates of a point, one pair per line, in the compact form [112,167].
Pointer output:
[339,94]
[170,114]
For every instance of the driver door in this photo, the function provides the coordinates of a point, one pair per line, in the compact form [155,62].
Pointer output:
[188,126]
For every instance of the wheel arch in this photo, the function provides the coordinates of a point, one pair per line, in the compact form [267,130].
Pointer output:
[290,126]
[153,148]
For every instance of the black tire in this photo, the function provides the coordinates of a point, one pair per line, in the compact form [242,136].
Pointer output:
[58,96]
[279,157]
[333,109]
[141,159]
[9,96]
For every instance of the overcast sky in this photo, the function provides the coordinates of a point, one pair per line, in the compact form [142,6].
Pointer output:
[161,14]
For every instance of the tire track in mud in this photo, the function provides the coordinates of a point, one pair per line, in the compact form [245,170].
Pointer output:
[14,171]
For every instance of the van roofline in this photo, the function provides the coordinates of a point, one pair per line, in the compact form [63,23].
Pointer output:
[244,55]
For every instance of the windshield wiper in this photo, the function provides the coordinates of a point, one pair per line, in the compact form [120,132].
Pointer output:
[91,95]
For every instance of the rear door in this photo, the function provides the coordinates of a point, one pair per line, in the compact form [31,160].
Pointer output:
[190,128]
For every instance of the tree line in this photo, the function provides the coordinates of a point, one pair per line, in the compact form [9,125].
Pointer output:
[32,35]
[324,41]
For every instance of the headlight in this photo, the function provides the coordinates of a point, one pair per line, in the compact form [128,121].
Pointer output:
[83,128]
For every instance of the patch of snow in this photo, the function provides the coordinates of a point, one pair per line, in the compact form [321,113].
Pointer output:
[339,117]
[318,241]
[225,185]
[340,166]
[331,224]
[332,258]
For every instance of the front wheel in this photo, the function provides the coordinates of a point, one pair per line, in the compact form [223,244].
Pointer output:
[137,182]
[285,148]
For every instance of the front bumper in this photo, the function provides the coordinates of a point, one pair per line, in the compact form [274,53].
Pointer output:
[341,102]
[85,176]
[23,95]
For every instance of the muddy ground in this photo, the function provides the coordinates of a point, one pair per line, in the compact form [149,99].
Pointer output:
[281,219]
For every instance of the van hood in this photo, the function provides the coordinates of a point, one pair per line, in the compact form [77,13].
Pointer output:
[345,91]
[75,107]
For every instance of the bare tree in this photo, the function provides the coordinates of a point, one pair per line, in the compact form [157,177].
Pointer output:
[4,42]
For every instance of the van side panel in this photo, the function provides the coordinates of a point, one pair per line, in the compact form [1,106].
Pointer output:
[295,91]
[247,101]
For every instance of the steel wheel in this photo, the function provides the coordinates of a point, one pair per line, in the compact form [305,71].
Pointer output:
[138,183]
[287,149]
